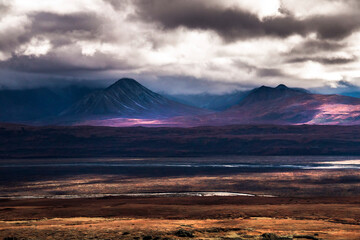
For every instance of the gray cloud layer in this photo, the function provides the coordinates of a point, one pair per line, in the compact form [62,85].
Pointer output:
[228,43]
[232,23]
[81,25]
[323,60]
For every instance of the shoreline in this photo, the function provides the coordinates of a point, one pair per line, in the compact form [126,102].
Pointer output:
[157,194]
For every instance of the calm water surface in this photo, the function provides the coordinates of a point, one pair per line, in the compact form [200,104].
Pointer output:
[49,177]
[27,169]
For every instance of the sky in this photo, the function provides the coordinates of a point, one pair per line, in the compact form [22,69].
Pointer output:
[181,46]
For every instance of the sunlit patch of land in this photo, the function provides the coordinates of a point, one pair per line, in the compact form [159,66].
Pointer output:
[345,182]
[113,228]
[336,114]
[162,218]
[344,162]
[125,122]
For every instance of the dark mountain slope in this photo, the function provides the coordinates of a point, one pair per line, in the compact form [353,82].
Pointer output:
[128,98]
[276,105]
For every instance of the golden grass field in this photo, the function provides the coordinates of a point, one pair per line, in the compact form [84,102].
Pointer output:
[161,218]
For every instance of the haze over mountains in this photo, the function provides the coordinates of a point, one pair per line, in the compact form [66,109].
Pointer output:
[215,102]
[128,103]
[39,103]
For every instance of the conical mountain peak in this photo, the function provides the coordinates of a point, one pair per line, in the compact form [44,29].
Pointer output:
[282,86]
[124,82]
[128,98]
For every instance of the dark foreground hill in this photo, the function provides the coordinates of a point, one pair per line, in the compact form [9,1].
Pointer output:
[18,141]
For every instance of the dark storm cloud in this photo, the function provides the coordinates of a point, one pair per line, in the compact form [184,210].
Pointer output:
[13,37]
[155,40]
[260,72]
[324,60]
[82,23]
[269,72]
[235,23]
[315,46]
[229,23]
[55,63]
[335,27]
[346,84]
[60,29]
[12,40]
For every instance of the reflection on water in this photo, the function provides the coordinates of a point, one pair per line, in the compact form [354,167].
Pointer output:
[162,194]
[22,170]
[353,164]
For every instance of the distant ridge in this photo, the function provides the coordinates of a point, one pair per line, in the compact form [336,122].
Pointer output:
[284,106]
[279,105]
[265,93]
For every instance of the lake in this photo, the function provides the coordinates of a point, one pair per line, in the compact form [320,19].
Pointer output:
[270,175]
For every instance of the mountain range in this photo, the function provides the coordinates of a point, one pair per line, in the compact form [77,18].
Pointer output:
[128,103]
[287,106]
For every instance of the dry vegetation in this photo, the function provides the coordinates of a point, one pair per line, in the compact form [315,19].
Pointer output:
[285,183]
[84,141]
[162,218]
